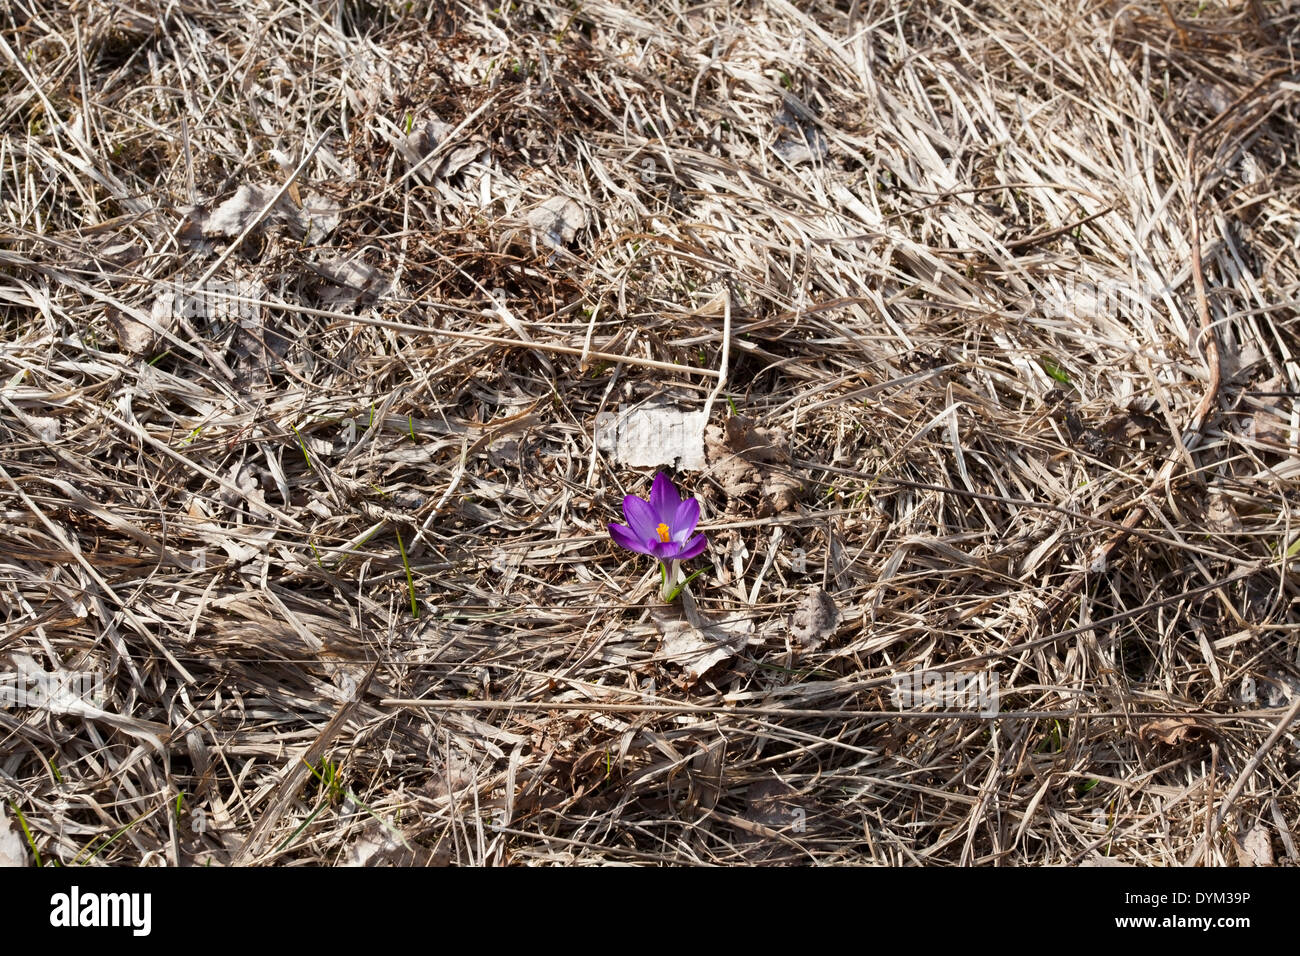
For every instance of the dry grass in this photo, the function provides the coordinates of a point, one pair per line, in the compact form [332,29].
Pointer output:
[1005,293]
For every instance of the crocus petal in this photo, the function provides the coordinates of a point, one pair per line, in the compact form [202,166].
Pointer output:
[626,538]
[685,518]
[691,548]
[641,518]
[664,499]
[663,550]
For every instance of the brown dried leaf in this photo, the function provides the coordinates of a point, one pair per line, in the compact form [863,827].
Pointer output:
[1220,516]
[815,619]
[1255,847]
[737,476]
[134,336]
[312,222]
[315,220]
[778,810]
[745,458]
[698,645]
[798,138]
[428,136]
[232,217]
[423,139]
[1269,423]
[1096,859]
[1172,731]
[352,281]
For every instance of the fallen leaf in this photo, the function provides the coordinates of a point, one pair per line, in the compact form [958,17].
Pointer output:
[62,692]
[232,217]
[1172,731]
[770,802]
[257,347]
[351,281]
[746,459]
[311,223]
[244,477]
[1237,362]
[460,157]
[705,778]
[698,645]
[1255,847]
[815,619]
[380,844]
[1220,516]
[799,140]
[426,137]
[43,428]
[317,218]
[1214,97]
[557,221]
[452,775]
[1269,423]
[1096,859]
[133,335]
[780,815]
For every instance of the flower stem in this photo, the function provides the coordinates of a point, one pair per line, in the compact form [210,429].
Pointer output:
[670,576]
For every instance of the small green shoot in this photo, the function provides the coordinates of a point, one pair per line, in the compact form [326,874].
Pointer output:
[678,590]
[303,445]
[1052,742]
[332,791]
[111,840]
[302,826]
[410,580]
[1055,370]
[330,779]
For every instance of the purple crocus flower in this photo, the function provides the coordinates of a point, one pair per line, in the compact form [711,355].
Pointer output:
[661,527]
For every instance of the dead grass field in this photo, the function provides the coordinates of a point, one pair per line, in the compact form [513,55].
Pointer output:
[307,318]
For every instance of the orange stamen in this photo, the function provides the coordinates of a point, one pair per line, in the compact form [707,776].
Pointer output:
[664,536]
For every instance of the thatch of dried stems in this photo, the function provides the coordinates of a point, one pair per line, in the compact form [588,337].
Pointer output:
[997,302]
